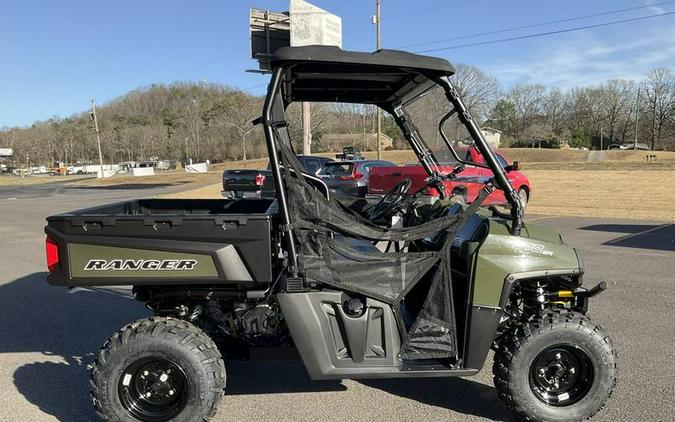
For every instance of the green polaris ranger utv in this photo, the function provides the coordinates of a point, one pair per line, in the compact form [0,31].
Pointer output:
[401,288]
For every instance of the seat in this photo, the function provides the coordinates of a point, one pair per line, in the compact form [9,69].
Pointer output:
[360,245]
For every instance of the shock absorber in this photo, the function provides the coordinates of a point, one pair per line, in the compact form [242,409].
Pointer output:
[534,297]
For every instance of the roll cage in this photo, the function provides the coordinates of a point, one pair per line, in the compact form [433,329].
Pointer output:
[388,79]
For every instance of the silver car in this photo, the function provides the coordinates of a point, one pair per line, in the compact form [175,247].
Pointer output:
[350,177]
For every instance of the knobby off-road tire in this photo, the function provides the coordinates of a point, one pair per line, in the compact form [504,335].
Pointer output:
[555,343]
[171,361]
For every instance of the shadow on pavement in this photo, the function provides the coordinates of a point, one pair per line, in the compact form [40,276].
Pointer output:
[67,329]
[660,238]
[129,186]
[619,228]
[271,377]
[640,236]
[457,394]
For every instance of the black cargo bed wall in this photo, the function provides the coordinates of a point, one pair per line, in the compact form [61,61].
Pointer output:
[205,225]
[179,207]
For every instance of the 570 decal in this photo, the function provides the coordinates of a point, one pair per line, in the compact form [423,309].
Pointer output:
[141,265]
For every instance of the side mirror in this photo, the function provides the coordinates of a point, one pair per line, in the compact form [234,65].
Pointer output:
[515,166]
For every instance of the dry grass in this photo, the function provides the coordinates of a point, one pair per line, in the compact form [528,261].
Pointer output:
[205,192]
[533,155]
[628,194]
[535,159]
[608,194]
[168,177]
[259,163]
[179,176]
[30,180]
[564,182]
[602,166]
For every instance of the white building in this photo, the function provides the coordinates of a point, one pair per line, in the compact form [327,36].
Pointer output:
[492,136]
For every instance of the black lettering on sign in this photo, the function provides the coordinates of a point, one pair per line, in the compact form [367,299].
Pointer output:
[95,264]
[140,264]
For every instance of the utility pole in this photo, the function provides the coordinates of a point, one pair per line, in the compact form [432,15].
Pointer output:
[98,135]
[601,135]
[244,133]
[637,117]
[306,128]
[378,22]
[363,121]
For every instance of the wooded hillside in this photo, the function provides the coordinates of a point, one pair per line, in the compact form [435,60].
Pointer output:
[185,121]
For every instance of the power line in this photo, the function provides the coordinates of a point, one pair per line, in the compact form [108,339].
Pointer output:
[199,66]
[416,12]
[542,34]
[516,28]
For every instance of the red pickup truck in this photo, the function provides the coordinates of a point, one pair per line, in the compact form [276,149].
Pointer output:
[467,183]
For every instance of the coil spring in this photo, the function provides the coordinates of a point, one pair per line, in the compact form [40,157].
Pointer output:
[534,297]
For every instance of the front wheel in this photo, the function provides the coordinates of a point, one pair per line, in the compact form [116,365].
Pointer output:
[524,196]
[560,367]
[158,369]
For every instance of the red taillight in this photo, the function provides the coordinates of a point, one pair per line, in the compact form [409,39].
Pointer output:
[259,179]
[52,250]
[355,176]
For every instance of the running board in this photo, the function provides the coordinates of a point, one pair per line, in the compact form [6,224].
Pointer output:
[403,372]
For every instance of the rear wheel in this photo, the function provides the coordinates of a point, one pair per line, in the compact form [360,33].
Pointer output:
[158,369]
[560,367]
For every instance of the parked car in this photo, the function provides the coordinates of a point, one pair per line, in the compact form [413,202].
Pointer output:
[467,182]
[246,183]
[350,177]
[350,153]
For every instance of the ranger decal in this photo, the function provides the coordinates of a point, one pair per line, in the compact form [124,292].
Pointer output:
[140,265]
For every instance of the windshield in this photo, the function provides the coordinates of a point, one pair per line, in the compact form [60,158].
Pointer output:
[425,112]
[336,169]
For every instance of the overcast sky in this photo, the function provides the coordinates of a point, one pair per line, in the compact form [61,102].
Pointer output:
[57,55]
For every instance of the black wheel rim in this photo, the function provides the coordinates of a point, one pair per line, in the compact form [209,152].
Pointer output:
[153,389]
[561,375]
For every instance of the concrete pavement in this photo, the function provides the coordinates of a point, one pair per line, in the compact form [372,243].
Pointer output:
[48,336]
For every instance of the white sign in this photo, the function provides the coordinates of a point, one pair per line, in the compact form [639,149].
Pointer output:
[143,171]
[197,168]
[6,152]
[106,173]
[311,25]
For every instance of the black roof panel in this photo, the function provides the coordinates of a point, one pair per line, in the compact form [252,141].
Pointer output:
[329,74]
[390,58]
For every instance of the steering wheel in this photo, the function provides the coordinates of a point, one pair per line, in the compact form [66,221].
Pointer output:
[390,200]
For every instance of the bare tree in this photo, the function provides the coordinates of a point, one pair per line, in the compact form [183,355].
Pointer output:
[478,90]
[554,109]
[617,99]
[528,101]
[660,101]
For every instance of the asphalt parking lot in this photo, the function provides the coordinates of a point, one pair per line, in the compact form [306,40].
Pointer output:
[48,336]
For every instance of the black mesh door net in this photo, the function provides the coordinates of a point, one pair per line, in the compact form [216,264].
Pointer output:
[336,249]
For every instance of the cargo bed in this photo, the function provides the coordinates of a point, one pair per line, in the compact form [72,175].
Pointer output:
[165,241]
